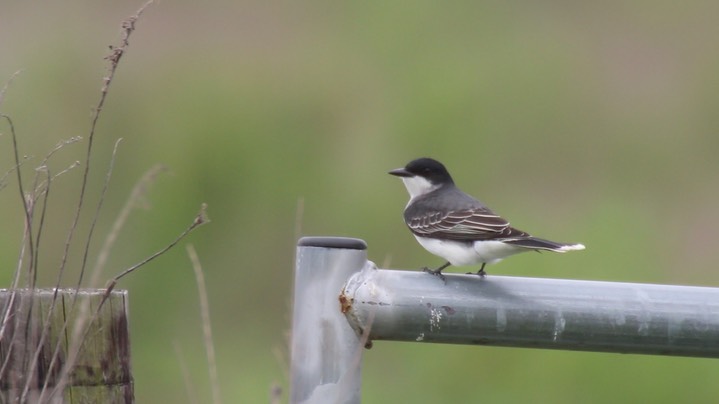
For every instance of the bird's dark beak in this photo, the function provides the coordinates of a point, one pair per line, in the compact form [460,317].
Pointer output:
[400,172]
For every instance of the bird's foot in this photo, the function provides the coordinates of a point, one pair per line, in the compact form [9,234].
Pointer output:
[435,272]
[481,272]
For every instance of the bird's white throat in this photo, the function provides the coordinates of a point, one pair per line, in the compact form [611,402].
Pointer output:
[418,186]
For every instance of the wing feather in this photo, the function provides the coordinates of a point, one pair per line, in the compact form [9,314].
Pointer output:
[463,224]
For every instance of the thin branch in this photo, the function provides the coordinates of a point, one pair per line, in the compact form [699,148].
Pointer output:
[6,318]
[51,309]
[7,173]
[28,241]
[26,208]
[47,323]
[80,331]
[116,53]
[139,191]
[186,377]
[206,325]
[95,217]
[128,26]
[200,219]
[41,225]
[57,148]
[137,194]
[7,85]
[42,187]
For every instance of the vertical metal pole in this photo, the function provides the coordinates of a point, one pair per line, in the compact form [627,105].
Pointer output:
[326,352]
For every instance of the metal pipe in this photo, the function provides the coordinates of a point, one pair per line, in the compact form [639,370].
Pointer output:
[326,353]
[534,313]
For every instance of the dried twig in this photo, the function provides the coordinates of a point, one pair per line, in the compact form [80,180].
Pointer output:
[200,219]
[206,325]
[7,85]
[41,225]
[116,53]
[28,242]
[80,331]
[51,310]
[96,216]
[25,201]
[186,377]
[128,26]
[139,191]
[39,188]
[6,317]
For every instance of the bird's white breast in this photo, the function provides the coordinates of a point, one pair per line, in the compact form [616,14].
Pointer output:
[460,254]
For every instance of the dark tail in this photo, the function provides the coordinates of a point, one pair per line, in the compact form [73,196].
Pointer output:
[535,243]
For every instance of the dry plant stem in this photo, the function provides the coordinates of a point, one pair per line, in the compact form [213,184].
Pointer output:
[41,225]
[33,281]
[206,325]
[31,199]
[137,194]
[200,219]
[187,379]
[2,98]
[114,58]
[7,85]
[51,309]
[33,278]
[27,236]
[38,189]
[139,191]
[80,331]
[128,26]
[95,217]
[6,318]
[25,202]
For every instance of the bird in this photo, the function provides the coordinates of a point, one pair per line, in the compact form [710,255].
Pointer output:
[457,227]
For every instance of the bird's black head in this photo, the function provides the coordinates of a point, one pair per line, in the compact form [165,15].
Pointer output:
[427,168]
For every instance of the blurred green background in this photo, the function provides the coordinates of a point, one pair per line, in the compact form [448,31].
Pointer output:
[588,122]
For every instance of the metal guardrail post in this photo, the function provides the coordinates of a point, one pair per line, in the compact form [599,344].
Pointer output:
[535,313]
[326,352]
[342,302]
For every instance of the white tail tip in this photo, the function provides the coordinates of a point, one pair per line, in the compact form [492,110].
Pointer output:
[573,247]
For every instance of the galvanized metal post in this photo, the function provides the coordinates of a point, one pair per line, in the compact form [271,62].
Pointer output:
[326,352]
[535,313]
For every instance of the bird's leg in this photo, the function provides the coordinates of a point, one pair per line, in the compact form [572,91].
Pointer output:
[481,272]
[438,271]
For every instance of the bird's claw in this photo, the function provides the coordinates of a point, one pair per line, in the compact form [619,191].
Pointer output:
[435,272]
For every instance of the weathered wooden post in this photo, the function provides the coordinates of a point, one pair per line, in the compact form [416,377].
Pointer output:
[101,371]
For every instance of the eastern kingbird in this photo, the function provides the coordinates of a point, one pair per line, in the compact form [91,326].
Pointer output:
[453,225]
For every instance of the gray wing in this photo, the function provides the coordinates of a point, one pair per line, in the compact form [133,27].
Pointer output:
[462,225]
